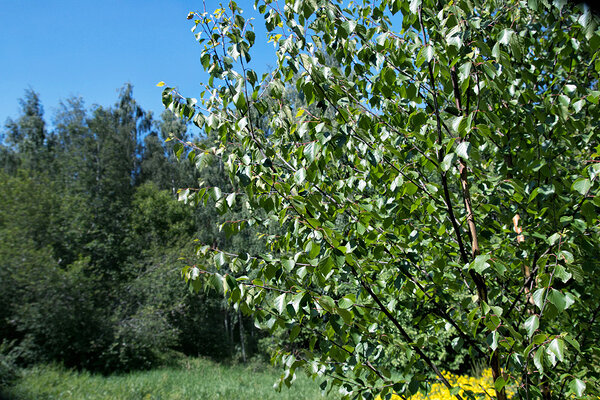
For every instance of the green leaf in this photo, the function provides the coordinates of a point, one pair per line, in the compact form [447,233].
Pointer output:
[327,303]
[531,324]
[296,301]
[505,36]
[480,263]
[558,299]
[345,302]
[311,150]
[410,188]
[569,300]
[220,259]
[553,239]
[288,264]
[300,176]
[456,124]
[538,297]
[493,339]
[345,314]
[577,386]
[294,332]
[429,53]
[550,357]
[389,76]
[250,36]
[414,6]
[572,341]
[215,193]
[532,4]
[582,185]
[557,346]
[231,199]
[567,256]
[313,249]
[539,338]
[280,303]
[561,273]
[217,282]
[349,26]
[463,150]
[499,383]
[496,50]
[538,359]
[447,162]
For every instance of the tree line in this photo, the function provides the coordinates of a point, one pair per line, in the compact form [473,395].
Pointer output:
[92,237]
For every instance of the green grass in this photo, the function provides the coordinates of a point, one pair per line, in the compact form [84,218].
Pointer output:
[193,379]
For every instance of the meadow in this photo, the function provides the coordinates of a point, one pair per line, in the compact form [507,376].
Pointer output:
[198,378]
[190,379]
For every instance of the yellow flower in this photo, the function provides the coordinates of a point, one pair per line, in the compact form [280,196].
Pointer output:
[438,391]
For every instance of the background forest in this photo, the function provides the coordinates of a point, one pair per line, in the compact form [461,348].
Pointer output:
[91,236]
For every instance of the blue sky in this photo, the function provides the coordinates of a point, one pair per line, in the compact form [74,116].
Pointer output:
[64,48]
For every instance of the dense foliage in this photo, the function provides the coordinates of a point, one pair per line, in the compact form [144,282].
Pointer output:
[437,190]
[91,236]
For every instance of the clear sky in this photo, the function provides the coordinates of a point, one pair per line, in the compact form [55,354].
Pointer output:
[64,48]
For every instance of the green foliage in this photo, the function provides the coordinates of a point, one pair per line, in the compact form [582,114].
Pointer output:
[90,242]
[9,370]
[141,340]
[440,184]
[157,220]
[60,319]
[27,137]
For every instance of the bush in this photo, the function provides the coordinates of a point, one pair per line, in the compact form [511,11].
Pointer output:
[141,340]
[9,370]
[60,319]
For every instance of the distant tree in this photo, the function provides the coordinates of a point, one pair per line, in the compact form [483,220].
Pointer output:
[75,146]
[155,165]
[90,244]
[27,136]
[115,160]
[453,191]
[48,307]
[171,126]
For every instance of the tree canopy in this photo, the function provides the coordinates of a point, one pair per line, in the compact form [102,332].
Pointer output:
[91,236]
[435,189]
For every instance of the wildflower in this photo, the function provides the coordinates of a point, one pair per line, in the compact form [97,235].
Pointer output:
[483,385]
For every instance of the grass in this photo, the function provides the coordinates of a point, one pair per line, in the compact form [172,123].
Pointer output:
[193,379]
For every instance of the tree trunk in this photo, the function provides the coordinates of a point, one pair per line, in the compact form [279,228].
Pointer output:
[242,342]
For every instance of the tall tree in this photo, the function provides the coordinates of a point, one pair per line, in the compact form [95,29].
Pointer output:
[75,145]
[155,165]
[75,178]
[115,160]
[174,131]
[458,176]
[27,136]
